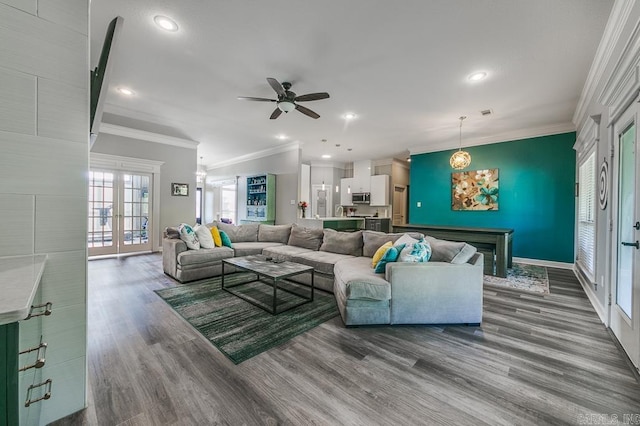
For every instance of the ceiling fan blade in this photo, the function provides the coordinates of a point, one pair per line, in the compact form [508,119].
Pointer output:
[312,97]
[276,113]
[249,98]
[307,111]
[275,84]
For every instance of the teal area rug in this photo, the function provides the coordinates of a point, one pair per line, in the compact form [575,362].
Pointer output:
[237,328]
[524,277]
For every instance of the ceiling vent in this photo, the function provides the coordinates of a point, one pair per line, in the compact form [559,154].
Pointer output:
[486,112]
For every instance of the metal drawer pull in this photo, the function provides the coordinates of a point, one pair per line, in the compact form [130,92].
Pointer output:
[47,393]
[47,310]
[40,360]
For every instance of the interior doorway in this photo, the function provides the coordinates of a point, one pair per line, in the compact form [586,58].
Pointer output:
[119,212]
[399,205]
[321,201]
[625,289]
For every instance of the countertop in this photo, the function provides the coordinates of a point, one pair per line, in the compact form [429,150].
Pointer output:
[19,280]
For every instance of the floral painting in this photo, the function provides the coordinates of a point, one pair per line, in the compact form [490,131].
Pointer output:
[475,190]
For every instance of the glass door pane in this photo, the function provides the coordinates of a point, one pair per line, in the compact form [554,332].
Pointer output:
[101,210]
[135,212]
[626,219]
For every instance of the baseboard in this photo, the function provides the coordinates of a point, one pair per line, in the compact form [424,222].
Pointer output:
[586,286]
[549,263]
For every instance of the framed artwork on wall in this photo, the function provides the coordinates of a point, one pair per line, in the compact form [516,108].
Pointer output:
[475,190]
[180,189]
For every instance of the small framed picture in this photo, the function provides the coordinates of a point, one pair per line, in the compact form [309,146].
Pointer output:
[180,189]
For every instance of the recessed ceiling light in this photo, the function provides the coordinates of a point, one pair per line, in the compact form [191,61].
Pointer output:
[165,23]
[282,137]
[350,116]
[477,76]
[326,156]
[125,91]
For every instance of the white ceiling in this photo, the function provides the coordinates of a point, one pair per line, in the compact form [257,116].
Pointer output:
[401,66]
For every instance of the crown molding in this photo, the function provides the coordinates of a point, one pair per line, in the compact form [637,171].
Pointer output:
[128,132]
[613,29]
[255,155]
[554,129]
[623,86]
[118,162]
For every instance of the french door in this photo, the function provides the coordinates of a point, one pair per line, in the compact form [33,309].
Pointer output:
[625,292]
[119,212]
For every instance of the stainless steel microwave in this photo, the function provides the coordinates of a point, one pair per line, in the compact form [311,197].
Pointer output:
[361,197]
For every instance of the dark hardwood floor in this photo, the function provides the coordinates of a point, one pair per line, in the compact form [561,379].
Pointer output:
[534,360]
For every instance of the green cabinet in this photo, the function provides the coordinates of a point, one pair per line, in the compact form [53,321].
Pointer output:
[343,224]
[261,199]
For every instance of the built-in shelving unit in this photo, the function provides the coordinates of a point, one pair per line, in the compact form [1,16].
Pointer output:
[261,199]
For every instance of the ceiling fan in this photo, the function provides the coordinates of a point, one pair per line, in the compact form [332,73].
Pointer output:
[287,99]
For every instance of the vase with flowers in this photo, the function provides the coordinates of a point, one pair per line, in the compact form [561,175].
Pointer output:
[303,207]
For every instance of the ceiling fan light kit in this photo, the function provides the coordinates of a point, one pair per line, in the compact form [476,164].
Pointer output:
[460,159]
[287,100]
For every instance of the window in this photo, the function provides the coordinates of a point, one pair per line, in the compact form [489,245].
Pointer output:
[586,216]
[228,202]
[199,205]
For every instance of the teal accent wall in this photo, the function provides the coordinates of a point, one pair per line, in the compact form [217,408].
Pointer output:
[536,199]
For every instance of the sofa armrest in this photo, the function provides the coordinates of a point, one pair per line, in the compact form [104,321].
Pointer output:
[436,292]
[171,247]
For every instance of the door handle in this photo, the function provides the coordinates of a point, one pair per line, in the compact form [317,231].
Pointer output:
[637,226]
[636,244]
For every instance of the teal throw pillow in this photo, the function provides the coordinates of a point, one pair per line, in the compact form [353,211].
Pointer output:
[416,252]
[226,241]
[391,255]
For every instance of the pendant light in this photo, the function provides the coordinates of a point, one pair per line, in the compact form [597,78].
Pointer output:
[460,159]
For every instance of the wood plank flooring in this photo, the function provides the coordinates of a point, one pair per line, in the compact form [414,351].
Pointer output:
[534,360]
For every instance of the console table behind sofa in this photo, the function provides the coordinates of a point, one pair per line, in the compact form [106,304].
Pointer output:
[493,242]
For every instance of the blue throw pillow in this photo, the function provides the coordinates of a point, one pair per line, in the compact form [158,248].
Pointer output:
[391,255]
[226,241]
[416,252]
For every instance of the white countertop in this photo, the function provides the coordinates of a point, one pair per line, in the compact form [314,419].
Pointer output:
[19,281]
[334,218]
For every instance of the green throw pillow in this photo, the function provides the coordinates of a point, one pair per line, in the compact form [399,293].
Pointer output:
[391,255]
[226,241]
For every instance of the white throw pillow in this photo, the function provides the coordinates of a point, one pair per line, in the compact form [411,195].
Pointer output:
[204,236]
[189,236]
[405,239]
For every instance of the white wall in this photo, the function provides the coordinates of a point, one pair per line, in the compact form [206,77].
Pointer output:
[44,136]
[611,85]
[180,165]
[283,165]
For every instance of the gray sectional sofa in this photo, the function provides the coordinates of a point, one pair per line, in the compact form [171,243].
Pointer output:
[445,290]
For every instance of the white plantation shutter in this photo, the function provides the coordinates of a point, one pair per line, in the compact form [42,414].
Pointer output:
[586,216]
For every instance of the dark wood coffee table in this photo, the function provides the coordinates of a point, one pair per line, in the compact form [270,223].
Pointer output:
[276,273]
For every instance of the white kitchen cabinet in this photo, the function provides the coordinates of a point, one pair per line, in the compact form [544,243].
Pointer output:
[346,189]
[379,190]
[361,176]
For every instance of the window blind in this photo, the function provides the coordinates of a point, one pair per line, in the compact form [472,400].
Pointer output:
[586,216]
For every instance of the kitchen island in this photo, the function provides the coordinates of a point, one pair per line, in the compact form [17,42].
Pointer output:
[339,223]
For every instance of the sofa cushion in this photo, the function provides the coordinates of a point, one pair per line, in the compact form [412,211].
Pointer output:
[391,255]
[224,239]
[322,261]
[342,242]
[172,232]
[380,252]
[274,233]
[310,238]
[193,257]
[204,236]
[285,252]
[450,251]
[416,252]
[372,240]
[215,234]
[240,233]
[188,235]
[251,248]
[358,281]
